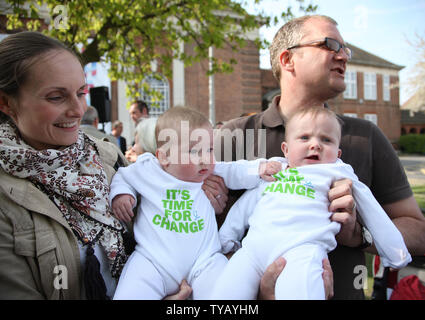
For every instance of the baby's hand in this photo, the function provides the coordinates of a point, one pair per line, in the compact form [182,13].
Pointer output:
[268,168]
[122,207]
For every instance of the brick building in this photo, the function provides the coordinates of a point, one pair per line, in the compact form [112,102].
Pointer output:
[372,89]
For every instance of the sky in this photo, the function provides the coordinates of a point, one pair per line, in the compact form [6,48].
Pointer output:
[381,27]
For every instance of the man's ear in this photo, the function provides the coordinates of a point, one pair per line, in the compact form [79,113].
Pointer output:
[286,61]
[162,157]
[284,148]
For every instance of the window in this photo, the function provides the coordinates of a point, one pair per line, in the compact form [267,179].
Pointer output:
[351,85]
[372,117]
[160,84]
[386,87]
[351,115]
[370,86]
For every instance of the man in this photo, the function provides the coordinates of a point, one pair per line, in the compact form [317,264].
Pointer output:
[89,124]
[138,110]
[117,128]
[308,58]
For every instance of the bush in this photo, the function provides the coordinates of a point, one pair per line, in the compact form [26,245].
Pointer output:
[412,143]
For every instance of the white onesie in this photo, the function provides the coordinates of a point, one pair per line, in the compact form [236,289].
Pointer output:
[290,218]
[175,229]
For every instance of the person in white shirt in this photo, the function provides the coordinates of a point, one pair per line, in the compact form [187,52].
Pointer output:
[175,227]
[290,217]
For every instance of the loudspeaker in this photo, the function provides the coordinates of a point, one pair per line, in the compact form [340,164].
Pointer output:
[99,98]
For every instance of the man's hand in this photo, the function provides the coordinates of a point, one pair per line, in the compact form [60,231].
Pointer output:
[122,207]
[268,168]
[343,206]
[184,292]
[268,281]
[216,191]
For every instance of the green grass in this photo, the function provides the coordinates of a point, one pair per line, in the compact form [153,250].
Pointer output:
[419,193]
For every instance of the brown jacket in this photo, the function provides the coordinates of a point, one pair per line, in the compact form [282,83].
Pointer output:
[39,254]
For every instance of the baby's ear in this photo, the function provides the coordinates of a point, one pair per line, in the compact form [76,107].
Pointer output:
[339,153]
[162,157]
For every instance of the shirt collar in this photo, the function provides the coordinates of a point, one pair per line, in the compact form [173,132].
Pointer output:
[272,117]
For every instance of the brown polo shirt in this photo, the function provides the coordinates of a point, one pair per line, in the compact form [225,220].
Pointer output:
[363,146]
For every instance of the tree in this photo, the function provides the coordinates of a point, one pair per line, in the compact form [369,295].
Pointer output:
[416,81]
[130,34]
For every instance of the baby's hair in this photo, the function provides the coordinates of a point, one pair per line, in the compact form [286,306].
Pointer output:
[172,119]
[314,112]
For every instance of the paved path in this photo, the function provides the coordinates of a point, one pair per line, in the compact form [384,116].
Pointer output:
[414,167]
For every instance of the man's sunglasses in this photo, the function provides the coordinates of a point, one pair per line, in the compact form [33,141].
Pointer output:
[328,43]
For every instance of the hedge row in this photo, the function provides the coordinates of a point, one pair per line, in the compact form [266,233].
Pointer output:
[413,143]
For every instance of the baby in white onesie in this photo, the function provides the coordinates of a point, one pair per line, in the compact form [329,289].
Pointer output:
[175,227]
[290,217]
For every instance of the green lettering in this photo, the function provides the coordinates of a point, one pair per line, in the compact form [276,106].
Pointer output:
[201,224]
[186,215]
[189,204]
[300,190]
[185,195]
[193,227]
[179,205]
[293,171]
[279,187]
[173,226]
[177,215]
[310,193]
[156,218]
[184,227]
[165,222]
[269,188]
[289,187]
[299,178]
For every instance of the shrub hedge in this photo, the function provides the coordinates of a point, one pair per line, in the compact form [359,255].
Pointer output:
[412,143]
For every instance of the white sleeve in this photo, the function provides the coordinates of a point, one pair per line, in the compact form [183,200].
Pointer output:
[233,228]
[241,174]
[119,185]
[387,238]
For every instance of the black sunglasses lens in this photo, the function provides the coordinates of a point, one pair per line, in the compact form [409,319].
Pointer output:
[333,45]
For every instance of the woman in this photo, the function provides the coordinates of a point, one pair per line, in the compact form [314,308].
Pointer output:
[54,179]
[58,239]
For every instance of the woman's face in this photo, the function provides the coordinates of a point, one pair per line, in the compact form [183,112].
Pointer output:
[51,102]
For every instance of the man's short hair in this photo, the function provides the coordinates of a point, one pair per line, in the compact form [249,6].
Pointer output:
[141,105]
[90,115]
[290,34]
[116,124]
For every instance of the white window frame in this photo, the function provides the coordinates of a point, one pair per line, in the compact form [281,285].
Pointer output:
[386,96]
[161,85]
[369,80]
[372,117]
[351,115]
[350,85]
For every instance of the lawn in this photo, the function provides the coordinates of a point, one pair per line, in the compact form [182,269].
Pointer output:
[419,193]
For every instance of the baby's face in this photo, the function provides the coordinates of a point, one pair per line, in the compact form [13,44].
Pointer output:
[312,140]
[195,160]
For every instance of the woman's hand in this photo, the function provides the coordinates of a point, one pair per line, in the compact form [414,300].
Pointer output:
[122,207]
[216,191]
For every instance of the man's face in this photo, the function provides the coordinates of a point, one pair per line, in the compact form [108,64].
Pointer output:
[318,70]
[312,140]
[135,113]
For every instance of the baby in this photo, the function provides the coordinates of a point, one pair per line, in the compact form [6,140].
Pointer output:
[175,227]
[290,217]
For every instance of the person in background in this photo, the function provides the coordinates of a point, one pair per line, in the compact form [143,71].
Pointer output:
[89,124]
[117,128]
[138,110]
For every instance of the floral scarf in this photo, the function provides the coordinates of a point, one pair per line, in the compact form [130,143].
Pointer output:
[74,179]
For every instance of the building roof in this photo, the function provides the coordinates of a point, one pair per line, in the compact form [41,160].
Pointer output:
[368,59]
[411,117]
